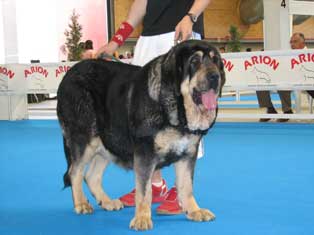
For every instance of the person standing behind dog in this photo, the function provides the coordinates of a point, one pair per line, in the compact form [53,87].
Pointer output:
[89,50]
[264,101]
[297,41]
[165,22]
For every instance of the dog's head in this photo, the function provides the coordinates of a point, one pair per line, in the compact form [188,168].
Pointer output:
[198,76]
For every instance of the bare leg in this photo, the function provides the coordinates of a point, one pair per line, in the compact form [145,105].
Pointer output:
[157,177]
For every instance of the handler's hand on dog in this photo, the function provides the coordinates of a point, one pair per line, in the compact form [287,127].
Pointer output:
[109,49]
[183,29]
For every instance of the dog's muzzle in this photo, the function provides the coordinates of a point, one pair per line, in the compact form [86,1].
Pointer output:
[208,99]
[207,92]
[213,80]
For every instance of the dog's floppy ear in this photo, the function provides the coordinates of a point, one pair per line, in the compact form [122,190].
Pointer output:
[173,67]
[176,62]
[220,66]
[216,57]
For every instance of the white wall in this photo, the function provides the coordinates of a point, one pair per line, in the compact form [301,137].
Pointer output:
[1,36]
[37,30]
[40,26]
[92,17]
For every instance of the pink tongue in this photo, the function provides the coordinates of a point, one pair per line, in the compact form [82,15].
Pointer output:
[209,100]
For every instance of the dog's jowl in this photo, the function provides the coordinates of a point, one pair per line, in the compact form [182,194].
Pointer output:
[142,118]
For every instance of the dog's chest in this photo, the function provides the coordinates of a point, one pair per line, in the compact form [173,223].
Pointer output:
[171,141]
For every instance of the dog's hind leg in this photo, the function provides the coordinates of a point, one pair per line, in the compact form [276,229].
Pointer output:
[93,179]
[184,183]
[76,174]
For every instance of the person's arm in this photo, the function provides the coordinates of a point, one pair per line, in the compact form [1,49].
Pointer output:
[185,26]
[134,18]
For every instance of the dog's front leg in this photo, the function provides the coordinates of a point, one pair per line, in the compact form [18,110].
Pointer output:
[184,183]
[144,168]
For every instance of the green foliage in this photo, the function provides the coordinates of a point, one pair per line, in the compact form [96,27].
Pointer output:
[73,38]
[234,44]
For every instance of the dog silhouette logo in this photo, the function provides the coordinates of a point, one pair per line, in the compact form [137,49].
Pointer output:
[307,73]
[3,84]
[37,82]
[260,75]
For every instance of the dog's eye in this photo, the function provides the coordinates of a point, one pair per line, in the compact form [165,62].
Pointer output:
[215,59]
[195,62]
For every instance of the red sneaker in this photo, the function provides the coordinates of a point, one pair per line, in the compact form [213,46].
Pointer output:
[158,195]
[170,206]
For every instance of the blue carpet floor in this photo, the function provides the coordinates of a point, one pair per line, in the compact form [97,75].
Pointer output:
[257,178]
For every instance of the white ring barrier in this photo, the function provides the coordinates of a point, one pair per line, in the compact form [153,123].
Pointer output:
[270,70]
[246,71]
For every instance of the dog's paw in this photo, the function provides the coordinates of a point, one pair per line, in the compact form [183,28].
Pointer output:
[201,215]
[141,223]
[112,205]
[83,208]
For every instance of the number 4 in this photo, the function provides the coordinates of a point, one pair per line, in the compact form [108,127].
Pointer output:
[283,3]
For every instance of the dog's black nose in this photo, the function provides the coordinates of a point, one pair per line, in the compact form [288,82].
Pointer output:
[213,79]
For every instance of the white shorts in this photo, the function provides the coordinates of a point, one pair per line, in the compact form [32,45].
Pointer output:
[149,47]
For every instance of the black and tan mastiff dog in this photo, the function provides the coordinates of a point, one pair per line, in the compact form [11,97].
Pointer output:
[142,118]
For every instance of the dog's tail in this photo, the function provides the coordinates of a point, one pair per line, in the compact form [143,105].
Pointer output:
[66,177]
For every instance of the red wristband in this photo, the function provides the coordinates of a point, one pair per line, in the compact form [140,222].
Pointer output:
[123,33]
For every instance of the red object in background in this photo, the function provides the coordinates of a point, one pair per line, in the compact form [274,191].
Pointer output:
[122,33]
